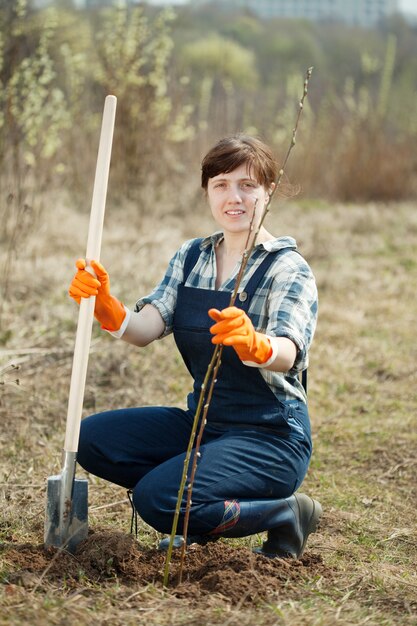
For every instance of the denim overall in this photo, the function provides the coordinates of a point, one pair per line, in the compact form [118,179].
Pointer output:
[255,449]
[241,395]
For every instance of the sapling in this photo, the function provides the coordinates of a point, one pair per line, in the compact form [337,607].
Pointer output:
[210,378]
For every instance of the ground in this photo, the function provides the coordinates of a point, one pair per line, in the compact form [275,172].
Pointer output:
[358,568]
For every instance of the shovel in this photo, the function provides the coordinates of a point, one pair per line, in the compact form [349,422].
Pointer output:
[66,519]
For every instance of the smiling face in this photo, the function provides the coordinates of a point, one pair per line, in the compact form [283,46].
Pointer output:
[232,198]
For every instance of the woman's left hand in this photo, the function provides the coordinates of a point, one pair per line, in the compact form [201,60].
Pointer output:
[234,328]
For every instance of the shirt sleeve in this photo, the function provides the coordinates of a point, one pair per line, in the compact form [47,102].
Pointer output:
[164,295]
[293,307]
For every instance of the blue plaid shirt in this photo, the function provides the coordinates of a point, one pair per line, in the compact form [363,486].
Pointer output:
[284,304]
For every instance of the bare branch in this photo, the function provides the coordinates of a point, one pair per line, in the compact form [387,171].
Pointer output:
[214,365]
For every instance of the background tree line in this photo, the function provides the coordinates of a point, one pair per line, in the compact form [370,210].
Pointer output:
[183,79]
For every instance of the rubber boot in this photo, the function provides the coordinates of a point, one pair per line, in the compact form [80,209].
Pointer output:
[289,522]
[293,521]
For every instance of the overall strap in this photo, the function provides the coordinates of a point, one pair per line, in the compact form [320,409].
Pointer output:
[262,269]
[191,258]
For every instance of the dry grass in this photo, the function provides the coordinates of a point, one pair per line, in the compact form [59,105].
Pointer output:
[362,397]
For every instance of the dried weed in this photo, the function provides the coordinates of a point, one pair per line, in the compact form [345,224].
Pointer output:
[359,568]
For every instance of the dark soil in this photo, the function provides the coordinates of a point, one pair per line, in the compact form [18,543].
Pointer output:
[235,573]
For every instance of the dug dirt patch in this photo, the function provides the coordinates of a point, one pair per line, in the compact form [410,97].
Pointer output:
[234,573]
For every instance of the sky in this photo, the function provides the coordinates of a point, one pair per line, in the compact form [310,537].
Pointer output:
[409,6]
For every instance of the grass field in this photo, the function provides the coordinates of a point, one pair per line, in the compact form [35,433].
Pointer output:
[360,568]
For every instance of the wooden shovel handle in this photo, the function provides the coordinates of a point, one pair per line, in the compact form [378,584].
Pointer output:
[86,311]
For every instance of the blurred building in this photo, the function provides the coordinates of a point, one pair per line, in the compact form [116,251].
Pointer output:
[358,12]
[89,4]
[365,13]
[77,4]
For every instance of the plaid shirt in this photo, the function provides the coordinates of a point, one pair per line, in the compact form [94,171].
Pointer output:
[284,304]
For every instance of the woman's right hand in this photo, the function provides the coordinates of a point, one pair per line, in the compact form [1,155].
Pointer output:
[108,310]
[83,285]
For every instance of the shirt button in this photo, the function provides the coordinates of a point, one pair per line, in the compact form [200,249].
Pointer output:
[243,296]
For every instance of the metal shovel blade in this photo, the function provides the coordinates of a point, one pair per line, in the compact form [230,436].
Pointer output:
[66,527]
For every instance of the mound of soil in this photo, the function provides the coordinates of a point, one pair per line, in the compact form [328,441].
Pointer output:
[237,574]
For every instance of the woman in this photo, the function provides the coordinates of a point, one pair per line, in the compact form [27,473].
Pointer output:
[257,443]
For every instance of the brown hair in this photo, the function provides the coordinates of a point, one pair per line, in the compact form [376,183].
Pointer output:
[231,152]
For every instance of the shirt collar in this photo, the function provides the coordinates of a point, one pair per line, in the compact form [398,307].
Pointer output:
[279,243]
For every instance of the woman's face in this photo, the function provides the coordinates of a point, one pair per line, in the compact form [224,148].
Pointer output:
[232,198]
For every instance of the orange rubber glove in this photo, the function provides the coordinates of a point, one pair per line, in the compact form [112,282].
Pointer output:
[234,328]
[108,310]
